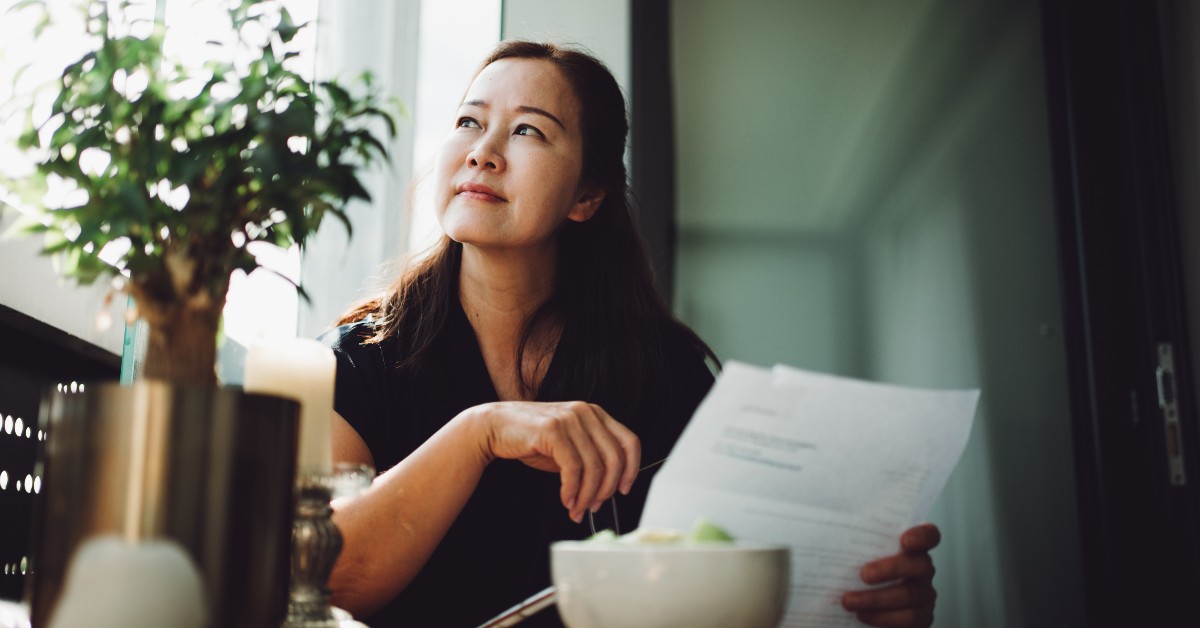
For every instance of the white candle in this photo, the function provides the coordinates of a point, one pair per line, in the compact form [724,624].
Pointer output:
[300,369]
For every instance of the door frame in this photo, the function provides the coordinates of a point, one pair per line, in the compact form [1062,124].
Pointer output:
[1123,301]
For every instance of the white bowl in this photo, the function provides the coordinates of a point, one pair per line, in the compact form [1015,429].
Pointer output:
[605,585]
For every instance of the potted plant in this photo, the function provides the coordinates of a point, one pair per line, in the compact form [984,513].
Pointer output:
[181,172]
[172,169]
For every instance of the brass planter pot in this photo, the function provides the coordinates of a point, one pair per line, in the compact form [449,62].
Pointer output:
[210,470]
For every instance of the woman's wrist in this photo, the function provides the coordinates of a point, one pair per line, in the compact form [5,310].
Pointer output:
[476,422]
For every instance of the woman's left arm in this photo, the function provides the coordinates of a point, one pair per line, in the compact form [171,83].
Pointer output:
[909,600]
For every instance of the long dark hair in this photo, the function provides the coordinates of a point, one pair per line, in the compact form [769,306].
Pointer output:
[604,293]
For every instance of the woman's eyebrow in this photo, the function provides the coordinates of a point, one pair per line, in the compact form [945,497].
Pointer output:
[523,109]
[542,112]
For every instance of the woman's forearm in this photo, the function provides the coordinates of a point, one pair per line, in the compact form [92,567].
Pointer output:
[391,530]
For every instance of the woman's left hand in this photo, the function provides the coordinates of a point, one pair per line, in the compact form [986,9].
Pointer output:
[910,598]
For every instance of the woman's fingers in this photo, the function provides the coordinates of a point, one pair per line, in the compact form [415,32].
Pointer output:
[631,448]
[603,428]
[920,538]
[906,595]
[911,599]
[909,603]
[568,472]
[608,451]
[898,566]
[592,468]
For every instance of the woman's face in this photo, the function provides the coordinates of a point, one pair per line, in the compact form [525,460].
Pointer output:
[508,175]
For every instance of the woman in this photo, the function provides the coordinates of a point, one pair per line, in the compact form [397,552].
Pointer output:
[525,367]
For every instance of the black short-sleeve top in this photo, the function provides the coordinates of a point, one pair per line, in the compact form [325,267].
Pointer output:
[497,551]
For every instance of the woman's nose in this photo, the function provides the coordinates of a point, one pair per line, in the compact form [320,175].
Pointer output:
[486,155]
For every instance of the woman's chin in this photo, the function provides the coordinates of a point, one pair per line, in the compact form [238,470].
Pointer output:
[468,237]
[463,232]
[469,227]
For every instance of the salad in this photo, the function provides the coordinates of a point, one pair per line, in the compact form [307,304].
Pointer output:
[703,531]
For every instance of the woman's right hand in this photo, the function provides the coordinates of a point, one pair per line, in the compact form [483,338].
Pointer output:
[593,453]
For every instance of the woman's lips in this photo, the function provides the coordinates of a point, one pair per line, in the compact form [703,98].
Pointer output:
[479,192]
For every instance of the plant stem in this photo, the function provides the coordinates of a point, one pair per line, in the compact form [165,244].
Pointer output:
[182,345]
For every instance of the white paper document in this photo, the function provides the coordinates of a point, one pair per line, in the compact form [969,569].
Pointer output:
[835,468]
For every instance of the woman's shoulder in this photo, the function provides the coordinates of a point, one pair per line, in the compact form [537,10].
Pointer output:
[355,337]
[685,367]
[684,348]
[357,348]
[357,345]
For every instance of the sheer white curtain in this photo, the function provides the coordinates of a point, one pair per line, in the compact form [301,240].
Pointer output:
[380,36]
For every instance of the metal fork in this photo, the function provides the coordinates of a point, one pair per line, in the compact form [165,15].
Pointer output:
[612,501]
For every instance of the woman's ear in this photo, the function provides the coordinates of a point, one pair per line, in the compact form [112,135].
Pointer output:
[587,203]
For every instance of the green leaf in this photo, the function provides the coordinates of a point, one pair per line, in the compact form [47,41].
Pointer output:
[69,262]
[24,4]
[340,97]
[25,225]
[370,140]
[89,268]
[383,116]
[287,28]
[345,220]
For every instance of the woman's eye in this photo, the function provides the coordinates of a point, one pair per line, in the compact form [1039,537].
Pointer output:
[467,123]
[531,131]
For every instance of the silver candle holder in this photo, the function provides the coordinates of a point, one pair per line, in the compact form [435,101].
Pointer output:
[317,542]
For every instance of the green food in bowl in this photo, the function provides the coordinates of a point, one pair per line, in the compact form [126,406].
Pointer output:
[703,531]
[603,536]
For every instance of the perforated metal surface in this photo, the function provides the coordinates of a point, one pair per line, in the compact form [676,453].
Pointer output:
[19,481]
